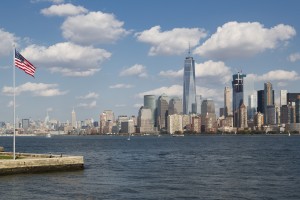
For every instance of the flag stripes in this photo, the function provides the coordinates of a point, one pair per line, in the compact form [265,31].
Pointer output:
[23,64]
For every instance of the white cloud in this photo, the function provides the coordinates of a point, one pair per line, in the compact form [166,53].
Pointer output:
[90,95]
[121,86]
[11,104]
[6,41]
[177,90]
[276,75]
[235,39]
[93,28]
[204,70]
[67,58]
[63,10]
[93,104]
[294,57]
[175,41]
[174,90]
[37,89]
[135,70]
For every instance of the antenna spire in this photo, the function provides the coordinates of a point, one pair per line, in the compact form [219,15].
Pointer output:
[189,49]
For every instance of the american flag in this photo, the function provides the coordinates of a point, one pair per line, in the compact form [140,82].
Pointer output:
[24,64]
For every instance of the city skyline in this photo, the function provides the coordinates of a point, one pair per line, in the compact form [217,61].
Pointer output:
[96,56]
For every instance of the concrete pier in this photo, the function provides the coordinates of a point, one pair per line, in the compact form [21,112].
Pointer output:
[33,163]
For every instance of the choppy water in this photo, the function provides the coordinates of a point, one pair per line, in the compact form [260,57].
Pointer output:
[201,167]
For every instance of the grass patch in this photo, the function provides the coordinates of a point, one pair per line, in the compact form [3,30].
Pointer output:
[6,157]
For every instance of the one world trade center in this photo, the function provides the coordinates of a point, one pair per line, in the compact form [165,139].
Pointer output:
[189,86]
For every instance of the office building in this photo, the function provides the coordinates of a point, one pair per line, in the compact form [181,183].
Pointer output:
[189,86]
[208,116]
[175,106]
[150,102]
[243,116]
[237,96]
[227,101]
[175,124]
[283,97]
[162,111]
[297,109]
[144,121]
[268,100]
[74,122]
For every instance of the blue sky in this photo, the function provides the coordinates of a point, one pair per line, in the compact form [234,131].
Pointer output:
[98,55]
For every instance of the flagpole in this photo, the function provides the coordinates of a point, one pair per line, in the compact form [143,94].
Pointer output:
[14,85]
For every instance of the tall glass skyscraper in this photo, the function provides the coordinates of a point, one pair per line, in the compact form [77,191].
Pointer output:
[189,86]
[237,96]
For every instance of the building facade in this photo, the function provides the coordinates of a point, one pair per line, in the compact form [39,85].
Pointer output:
[237,96]
[189,86]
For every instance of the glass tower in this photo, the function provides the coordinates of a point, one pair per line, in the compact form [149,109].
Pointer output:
[189,86]
[237,96]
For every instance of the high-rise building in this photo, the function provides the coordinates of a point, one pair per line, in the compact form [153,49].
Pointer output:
[252,105]
[237,96]
[144,122]
[174,123]
[74,122]
[260,101]
[291,97]
[297,109]
[150,102]
[268,99]
[208,116]
[175,106]
[243,116]
[189,86]
[283,97]
[198,102]
[162,111]
[270,111]
[285,114]
[227,101]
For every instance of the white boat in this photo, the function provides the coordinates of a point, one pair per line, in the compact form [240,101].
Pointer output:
[48,135]
[289,134]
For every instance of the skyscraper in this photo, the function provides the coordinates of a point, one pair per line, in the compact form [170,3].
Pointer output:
[162,111]
[268,100]
[74,122]
[150,103]
[189,86]
[237,96]
[227,101]
[283,97]
[175,106]
[297,109]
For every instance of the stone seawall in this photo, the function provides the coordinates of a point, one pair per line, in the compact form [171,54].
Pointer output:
[32,163]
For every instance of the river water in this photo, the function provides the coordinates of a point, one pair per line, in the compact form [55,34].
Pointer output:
[191,167]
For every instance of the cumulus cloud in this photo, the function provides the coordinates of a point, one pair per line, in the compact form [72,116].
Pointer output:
[202,70]
[90,95]
[174,90]
[235,39]
[121,86]
[37,89]
[276,75]
[6,41]
[92,104]
[294,57]
[177,90]
[93,28]
[63,10]
[173,42]
[67,58]
[135,70]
